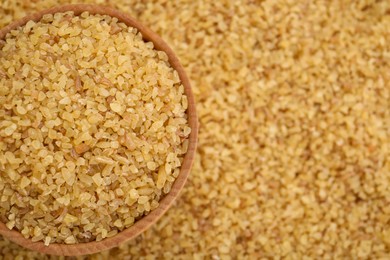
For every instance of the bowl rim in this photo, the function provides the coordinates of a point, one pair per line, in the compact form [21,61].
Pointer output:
[166,202]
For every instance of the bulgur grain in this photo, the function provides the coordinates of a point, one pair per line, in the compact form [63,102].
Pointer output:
[289,164]
[73,154]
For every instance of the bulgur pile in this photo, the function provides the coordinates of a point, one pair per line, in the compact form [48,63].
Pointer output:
[93,128]
[293,100]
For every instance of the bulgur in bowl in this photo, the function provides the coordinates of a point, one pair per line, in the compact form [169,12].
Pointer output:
[98,129]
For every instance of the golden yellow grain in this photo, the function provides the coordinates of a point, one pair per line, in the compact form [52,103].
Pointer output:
[62,147]
[293,105]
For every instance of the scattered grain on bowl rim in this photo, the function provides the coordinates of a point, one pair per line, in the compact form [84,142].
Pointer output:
[293,104]
[75,138]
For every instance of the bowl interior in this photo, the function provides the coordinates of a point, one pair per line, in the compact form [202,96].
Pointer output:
[146,221]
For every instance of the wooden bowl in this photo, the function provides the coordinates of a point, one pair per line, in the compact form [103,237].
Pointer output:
[145,222]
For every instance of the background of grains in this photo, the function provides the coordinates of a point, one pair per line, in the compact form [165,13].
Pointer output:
[294,102]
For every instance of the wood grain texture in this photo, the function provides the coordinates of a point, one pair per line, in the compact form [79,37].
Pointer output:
[144,223]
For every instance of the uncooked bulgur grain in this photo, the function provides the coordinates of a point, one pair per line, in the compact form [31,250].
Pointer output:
[293,101]
[93,128]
